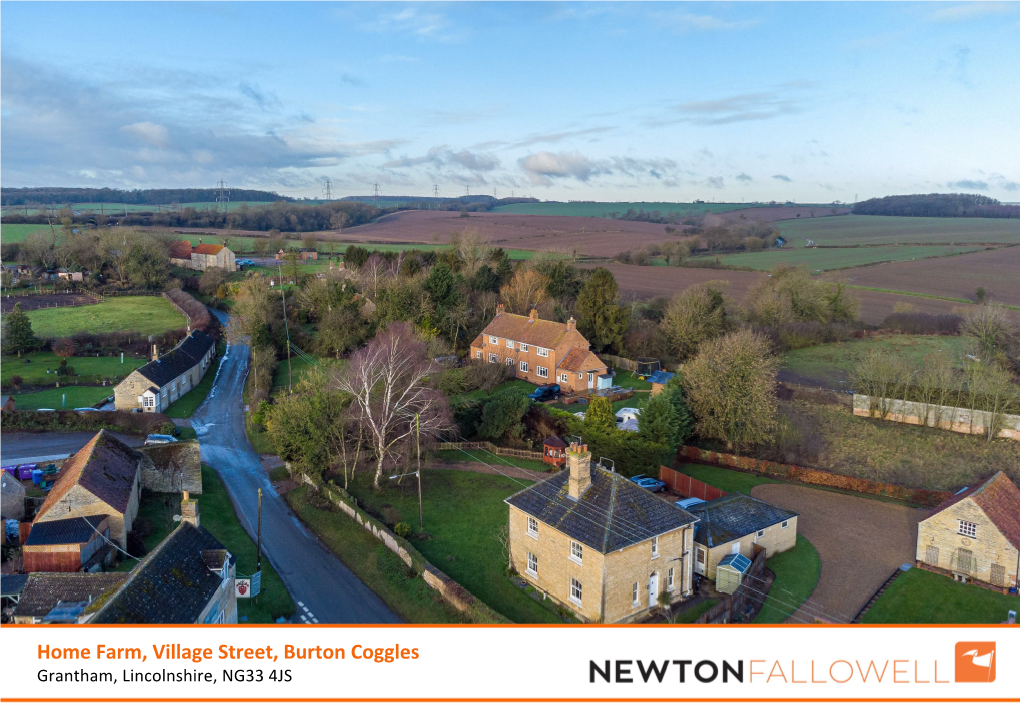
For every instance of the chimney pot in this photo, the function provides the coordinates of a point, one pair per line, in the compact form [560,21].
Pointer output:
[499,309]
[155,351]
[533,315]
[189,510]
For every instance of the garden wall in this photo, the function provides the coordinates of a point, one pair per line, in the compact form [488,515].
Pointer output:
[945,417]
[809,476]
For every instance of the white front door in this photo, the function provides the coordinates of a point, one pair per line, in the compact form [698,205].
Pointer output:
[591,380]
[735,548]
[653,590]
[699,560]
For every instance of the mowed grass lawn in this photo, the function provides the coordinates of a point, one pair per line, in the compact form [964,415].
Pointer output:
[147,315]
[729,481]
[919,596]
[835,258]
[880,230]
[35,371]
[63,398]
[797,571]
[463,512]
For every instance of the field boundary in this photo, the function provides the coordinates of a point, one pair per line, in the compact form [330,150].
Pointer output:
[494,449]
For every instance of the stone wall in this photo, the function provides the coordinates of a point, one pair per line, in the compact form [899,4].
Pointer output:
[988,558]
[945,417]
[173,467]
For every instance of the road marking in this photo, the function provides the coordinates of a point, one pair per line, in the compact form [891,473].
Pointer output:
[304,619]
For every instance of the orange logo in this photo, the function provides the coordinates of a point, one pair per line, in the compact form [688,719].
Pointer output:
[975,662]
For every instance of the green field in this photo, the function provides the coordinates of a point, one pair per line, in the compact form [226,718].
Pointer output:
[606,209]
[114,209]
[17,233]
[149,315]
[919,596]
[881,230]
[35,370]
[76,396]
[186,406]
[826,258]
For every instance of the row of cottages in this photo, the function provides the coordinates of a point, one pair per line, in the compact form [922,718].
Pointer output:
[542,351]
[154,386]
[598,544]
[203,256]
[974,535]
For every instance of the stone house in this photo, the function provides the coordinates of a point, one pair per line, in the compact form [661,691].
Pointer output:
[974,535]
[542,351]
[154,386]
[100,480]
[281,254]
[180,253]
[598,544]
[206,256]
[734,524]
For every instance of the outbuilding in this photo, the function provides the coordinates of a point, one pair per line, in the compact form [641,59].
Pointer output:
[554,451]
[730,571]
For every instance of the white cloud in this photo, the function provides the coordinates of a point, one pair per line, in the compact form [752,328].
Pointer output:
[690,22]
[151,133]
[543,166]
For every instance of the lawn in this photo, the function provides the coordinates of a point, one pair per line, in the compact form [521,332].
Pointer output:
[836,258]
[880,230]
[144,314]
[186,406]
[280,375]
[919,596]
[631,380]
[463,512]
[797,571]
[63,398]
[381,570]
[731,481]
[94,367]
[481,394]
[693,613]
[485,456]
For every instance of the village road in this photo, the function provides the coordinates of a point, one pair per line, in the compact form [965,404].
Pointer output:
[325,589]
[16,448]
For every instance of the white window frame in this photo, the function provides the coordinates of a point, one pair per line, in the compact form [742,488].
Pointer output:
[576,552]
[968,529]
[576,591]
[542,352]
[524,347]
[786,524]
[634,600]
[492,357]
[164,393]
[510,344]
[493,340]
[759,534]
[478,354]
[669,579]
[564,377]
[532,565]
[655,547]
[148,401]
[524,367]
[509,361]
[580,376]
[542,372]
[532,527]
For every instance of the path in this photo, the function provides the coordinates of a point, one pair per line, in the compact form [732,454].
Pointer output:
[325,590]
[859,541]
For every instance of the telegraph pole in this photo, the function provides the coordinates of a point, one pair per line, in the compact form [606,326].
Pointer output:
[290,371]
[258,544]
[417,443]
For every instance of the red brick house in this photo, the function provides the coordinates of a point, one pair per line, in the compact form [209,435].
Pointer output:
[542,351]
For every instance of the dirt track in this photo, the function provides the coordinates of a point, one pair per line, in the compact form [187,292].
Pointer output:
[859,541]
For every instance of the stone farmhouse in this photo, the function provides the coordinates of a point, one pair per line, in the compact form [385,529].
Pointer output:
[180,253]
[206,256]
[153,387]
[974,535]
[598,544]
[733,525]
[542,351]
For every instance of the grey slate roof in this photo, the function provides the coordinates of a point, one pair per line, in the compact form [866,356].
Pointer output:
[613,513]
[68,531]
[12,584]
[43,591]
[734,516]
[179,360]
[173,584]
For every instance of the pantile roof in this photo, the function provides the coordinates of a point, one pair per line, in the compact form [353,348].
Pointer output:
[66,531]
[575,360]
[207,249]
[179,360]
[519,328]
[734,516]
[999,499]
[43,591]
[612,514]
[105,467]
[180,250]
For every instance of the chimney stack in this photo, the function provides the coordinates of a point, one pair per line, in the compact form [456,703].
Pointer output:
[155,352]
[533,315]
[499,309]
[579,463]
[571,324]
[189,510]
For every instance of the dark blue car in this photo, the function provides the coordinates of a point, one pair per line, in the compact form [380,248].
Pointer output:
[648,483]
[545,392]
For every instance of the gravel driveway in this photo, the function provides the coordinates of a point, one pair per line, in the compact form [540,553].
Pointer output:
[860,543]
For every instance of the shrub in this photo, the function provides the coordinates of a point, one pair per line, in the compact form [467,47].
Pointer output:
[16,382]
[919,323]
[402,529]
[168,428]
[318,500]
[64,347]
[502,415]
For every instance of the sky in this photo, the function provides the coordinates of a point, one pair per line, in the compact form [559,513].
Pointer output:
[811,102]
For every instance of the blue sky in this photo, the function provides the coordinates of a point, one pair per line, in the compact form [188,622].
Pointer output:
[587,101]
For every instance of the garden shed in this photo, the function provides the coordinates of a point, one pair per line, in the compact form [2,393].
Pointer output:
[730,572]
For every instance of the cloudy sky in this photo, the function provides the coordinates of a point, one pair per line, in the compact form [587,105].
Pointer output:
[566,101]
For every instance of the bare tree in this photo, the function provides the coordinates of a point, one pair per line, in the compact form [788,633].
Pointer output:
[527,289]
[389,381]
[259,245]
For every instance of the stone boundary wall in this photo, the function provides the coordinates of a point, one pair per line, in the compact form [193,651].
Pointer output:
[173,467]
[945,417]
[808,476]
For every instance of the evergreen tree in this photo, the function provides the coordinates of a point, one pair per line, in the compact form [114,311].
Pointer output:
[599,415]
[355,257]
[502,265]
[441,286]
[657,422]
[599,315]
[18,334]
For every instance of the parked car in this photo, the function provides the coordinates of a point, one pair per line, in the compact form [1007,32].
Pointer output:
[89,409]
[688,502]
[580,415]
[648,483]
[160,439]
[545,392]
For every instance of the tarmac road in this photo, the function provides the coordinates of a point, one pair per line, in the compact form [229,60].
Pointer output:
[325,590]
[16,448]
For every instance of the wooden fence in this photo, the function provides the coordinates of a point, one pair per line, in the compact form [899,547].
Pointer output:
[687,486]
[494,449]
[746,600]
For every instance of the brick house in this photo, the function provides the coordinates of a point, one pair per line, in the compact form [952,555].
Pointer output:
[734,524]
[974,535]
[154,386]
[542,351]
[207,256]
[598,544]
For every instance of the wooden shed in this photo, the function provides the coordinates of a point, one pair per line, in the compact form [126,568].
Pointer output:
[730,572]
[554,451]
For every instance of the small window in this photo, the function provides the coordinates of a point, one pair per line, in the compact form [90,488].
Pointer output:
[634,595]
[509,361]
[509,343]
[164,392]
[492,357]
[576,552]
[564,377]
[655,547]
[524,348]
[759,534]
[968,528]
[532,565]
[580,376]
[786,524]
[542,372]
[542,352]
[532,527]
[494,340]
[524,366]
[575,591]
[478,354]
[669,580]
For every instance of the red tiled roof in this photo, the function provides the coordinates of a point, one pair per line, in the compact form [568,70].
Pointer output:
[519,328]
[207,249]
[105,467]
[575,360]
[180,250]
[999,498]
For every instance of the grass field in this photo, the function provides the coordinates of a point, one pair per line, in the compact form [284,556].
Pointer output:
[114,209]
[534,466]
[281,374]
[63,398]
[879,230]
[909,600]
[730,481]
[820,259]
[606,209]
[35,371]
[17,233]
[147,315]
[797,572]
[244,245]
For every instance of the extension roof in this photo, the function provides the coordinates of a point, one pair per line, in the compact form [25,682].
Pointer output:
[172,584]
[43,591]
[736,561]
[179,360]
[660,377]
[180,250]
[207,249]
[734,516]
[105,467]
[66,531]
[575,360]
[12,584]
[999,499]
[554,441]
[520,328]
[612,514]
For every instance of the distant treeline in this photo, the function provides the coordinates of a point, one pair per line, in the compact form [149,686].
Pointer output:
[937,205]
[63,196]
